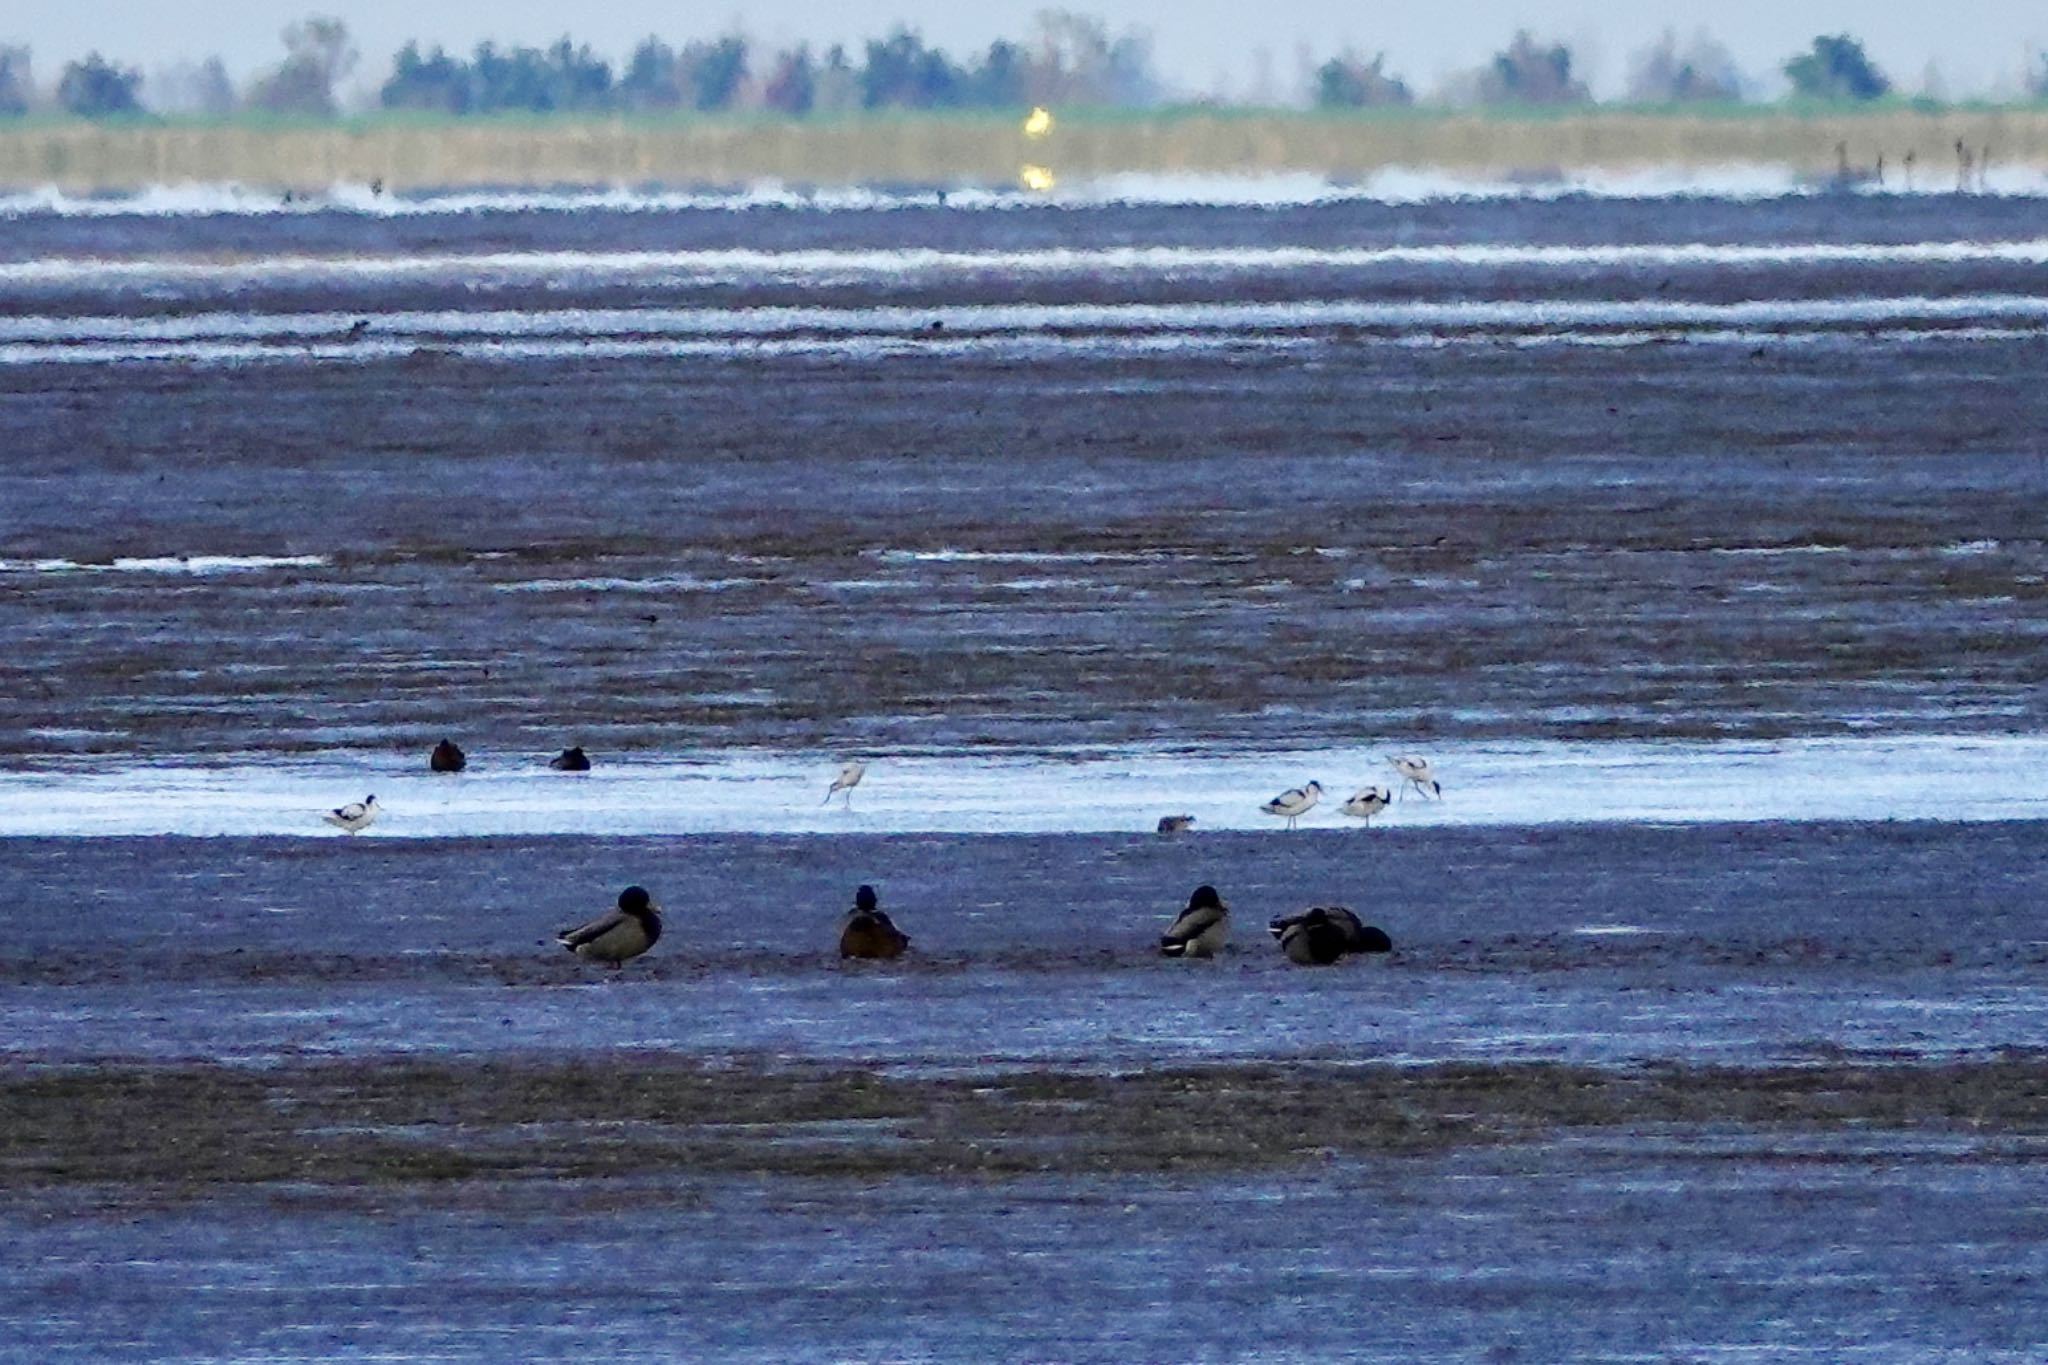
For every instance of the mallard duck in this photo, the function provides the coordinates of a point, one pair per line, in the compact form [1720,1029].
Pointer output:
[447,758]
[1416,772]
[1367,802]
[1176,824]
[1313,938]
[1199,930]
[868,931]
[571,761]
[849,778]
[355,817]
[1294,802]
[1309,936]
[618,934]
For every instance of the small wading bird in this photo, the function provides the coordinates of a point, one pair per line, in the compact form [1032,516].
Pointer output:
[1199,930]
[1176,824]
[1321,934]
[1294,802]
[849,778]
[355,817]
[1367,802]
[571,761]
[1416,772]
[617,935]
[867,930]
[447,757]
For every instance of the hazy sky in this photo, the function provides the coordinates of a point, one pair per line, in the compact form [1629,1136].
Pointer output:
[1200,46]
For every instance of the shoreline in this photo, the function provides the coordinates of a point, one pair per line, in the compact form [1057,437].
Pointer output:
[989,150]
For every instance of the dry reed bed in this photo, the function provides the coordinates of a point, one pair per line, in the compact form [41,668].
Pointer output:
[84,158]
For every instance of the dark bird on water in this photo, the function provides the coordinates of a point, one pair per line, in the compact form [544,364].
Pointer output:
[617,935]
[867,930]
[1199,930]
[571,761]
[1176,824]
[447,758]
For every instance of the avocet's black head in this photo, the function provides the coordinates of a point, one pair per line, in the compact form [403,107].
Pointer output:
[864,899]
[1205,898]
[634,900]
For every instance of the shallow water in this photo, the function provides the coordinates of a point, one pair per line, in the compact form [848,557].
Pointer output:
[1881,1252]
[1696,539]
[1968,778]
[909,477]
[1750,944]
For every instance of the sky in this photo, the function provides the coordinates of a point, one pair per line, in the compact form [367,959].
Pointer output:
[1215,47]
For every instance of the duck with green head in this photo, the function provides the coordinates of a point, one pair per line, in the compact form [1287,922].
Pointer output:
[619,935]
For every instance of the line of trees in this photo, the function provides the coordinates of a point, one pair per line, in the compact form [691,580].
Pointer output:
[1066,59]
[1529,72]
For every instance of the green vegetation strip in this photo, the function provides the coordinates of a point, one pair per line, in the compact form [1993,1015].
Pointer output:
[185,1130]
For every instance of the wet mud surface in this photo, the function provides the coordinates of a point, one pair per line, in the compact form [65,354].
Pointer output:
[1629,1092]
[1231,533]
[1619,1092]
[644,1210]
[1756,943]
[186,1131]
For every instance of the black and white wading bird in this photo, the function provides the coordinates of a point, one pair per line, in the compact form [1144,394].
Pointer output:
[1416,772]
[355,817]
[849,778]
[1295,802]
[1199,930]
[1321,934]
[617,935]
[867,930]
[1367,802]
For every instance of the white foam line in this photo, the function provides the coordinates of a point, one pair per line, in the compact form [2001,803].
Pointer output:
[1930,778]
[659,584]
[1001,344]
[971,321]
[713,266]
[167,564]
[1735,181]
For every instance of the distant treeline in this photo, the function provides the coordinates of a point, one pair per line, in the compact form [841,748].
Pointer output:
[1066,59]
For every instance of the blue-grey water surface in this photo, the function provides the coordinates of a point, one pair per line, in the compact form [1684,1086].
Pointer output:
[968,483]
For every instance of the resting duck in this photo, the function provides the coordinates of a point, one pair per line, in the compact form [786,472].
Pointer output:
[447,758]
[355,817]
[571,761]
[1199,930]
[1321,934]
[1313,939]
[1176,824]
[868,931]
[619,934]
